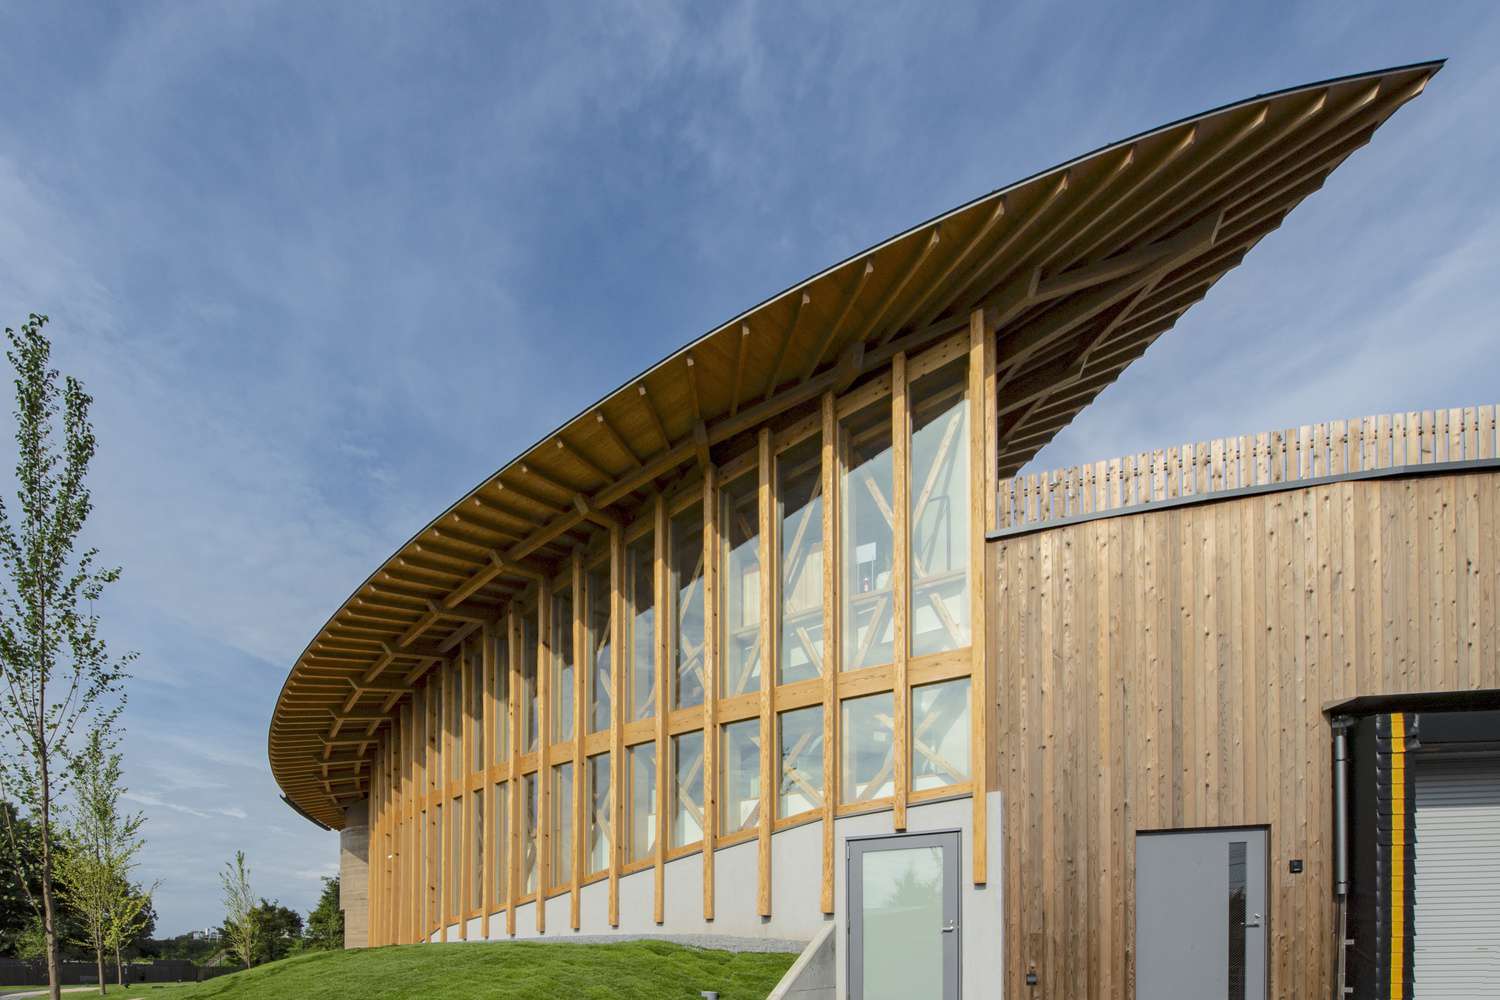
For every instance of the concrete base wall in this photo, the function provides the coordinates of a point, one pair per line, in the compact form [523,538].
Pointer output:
[796,874]
[354,874]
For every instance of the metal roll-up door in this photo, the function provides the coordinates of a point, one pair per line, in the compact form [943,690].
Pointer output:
[1456,880]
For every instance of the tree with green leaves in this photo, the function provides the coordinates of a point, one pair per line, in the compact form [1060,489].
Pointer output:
[104,844]
[325,924]
[132,915]
[241,931]
[59,679]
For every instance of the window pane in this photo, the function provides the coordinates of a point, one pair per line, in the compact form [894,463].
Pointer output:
[501,663]
[474,724]
[940,511]
[869,752]
[476,849]
[940,734]
[867,542]
[686,588]
[739,526]
[453,884]
[687,789]
[800,735]
[739,801]
[562,825]
[640,676]
[640,803]
[599,622]
[424,836]
[500,854]
[561,693]
[528,833]
[598,806]
[528,681]
[453,745]
[799,493]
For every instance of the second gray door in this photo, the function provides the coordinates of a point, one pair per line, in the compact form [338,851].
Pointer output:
[1200,915]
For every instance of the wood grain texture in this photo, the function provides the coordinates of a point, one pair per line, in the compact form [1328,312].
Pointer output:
[1170,669]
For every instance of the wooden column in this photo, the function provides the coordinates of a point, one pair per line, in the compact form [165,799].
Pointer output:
[900,583]
[768,573]
[465,743]
[543,749]
[513,783]
[487,758]
[659,646]
[830,643]
[981,507]
[710,681]
[616,712]
[580,641]
[444,841]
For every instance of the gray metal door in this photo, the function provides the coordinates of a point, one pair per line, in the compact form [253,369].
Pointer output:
[1200,915]
[904,930]
[1456,880]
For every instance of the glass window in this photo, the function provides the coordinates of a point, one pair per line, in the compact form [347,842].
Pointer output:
[940,734]
[799,496]
[453,703]
[867,536]
[474,686]
[561,693]
[800,739]
[598,624]
[528,834]
[940,511]
[739,526]
[528,681]
[640,802]
[686,588]
[687,789]
[562,824]
[454,832]
[739,800]
[500,663]
[599,817]
[867,770]
[476,849]
[429,877]
[500,856]
[640,676]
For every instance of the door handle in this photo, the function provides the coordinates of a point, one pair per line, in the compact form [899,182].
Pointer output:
[950,928]
[1254,920]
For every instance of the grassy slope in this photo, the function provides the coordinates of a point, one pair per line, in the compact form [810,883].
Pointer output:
[634,970]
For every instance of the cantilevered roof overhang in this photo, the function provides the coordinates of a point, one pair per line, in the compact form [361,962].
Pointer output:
[1080,268]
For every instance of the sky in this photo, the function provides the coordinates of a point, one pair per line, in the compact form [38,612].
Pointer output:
[325,267]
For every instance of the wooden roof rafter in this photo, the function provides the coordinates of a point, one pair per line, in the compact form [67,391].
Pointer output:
[1070,263]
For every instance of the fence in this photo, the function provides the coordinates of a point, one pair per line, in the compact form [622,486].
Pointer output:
[21,972]
[1341,447]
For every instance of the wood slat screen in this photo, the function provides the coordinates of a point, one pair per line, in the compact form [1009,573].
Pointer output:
[1362,444]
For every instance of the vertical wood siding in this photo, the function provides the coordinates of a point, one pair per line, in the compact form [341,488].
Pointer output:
[1170,668]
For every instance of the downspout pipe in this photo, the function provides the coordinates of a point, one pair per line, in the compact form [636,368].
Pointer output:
[1340,808]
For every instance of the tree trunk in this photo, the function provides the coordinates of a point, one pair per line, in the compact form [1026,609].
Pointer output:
[49,924]
[119,968]
[99,963]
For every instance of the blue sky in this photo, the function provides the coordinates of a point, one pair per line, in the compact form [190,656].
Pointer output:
[319,268]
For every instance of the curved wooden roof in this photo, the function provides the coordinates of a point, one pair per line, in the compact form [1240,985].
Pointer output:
[1080,267]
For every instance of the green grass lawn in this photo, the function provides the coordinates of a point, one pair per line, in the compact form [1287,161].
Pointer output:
[631,970]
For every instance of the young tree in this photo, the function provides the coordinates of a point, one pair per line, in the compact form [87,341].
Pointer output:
[325,924]
[131,916]
[57,672]
[241,930]
[104,846]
